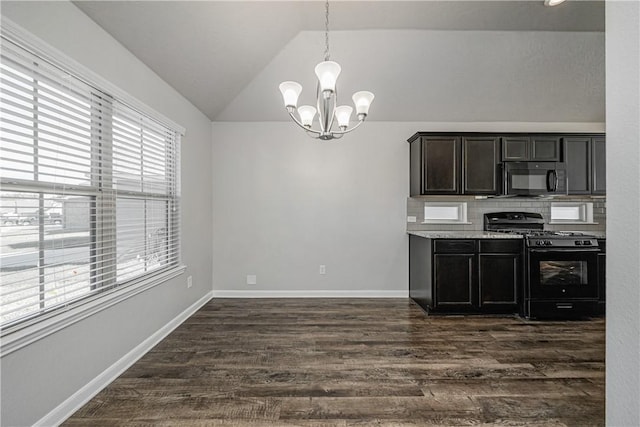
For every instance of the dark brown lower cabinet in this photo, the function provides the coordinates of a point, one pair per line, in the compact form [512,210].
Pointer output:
[464,275]
[454,278]
[498,281]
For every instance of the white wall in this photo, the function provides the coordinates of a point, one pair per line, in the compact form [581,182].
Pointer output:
[623,213]
[37,378]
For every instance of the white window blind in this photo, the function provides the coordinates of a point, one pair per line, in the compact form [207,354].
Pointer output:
[90,190]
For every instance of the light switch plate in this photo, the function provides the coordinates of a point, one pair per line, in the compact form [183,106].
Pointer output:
[412,219]
[252,279]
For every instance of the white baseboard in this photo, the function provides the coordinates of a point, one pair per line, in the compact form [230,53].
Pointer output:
[309,294]
[63,411]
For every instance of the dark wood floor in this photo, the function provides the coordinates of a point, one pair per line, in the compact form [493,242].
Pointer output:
[343,362]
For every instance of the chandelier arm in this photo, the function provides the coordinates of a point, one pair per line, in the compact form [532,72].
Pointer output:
[313,133]
[296,121]
[342,132]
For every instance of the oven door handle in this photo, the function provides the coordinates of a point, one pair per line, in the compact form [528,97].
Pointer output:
[574,250]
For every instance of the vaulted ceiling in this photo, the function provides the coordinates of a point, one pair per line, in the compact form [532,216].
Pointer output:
[424,60]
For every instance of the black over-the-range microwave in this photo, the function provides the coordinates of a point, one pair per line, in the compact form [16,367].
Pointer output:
[534,178]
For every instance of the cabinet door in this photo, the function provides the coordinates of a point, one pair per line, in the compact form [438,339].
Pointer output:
[415,168]
[454,282]
[577,158]
[441,160]
[499,279]
[599,166]
[420,255]
[602,274]
[480,165]
[515,148]
[545,149]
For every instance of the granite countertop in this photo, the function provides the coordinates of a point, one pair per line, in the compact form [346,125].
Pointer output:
[596,234]
[478,234]
[460,234]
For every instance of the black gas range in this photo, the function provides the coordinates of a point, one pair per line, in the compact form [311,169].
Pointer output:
[561,279]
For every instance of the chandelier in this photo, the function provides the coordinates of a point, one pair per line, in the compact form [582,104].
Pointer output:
[327,99]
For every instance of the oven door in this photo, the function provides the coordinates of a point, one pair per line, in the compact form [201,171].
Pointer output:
[563,273]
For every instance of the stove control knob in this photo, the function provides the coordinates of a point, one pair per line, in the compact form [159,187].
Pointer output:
[578,242]
[547,243]
[586,242]
[539,243]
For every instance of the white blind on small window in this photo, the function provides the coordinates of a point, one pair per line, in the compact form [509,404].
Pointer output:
[90,189]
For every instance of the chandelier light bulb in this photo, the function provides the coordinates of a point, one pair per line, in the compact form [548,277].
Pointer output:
[307,113]
[328,72]
[362,101]
[343,115]
[290,93]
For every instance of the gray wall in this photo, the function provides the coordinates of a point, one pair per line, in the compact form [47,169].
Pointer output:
[463,76]
[39,377]
[285,204]
[623,219]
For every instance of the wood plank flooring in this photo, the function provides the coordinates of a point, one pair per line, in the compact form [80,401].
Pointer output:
[359,362]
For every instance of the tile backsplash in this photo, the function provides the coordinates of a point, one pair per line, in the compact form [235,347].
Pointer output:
[476,208]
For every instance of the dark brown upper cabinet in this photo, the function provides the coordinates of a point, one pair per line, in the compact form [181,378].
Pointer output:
[531,149]
[435,165]
[598,166]
[584,158]
[480,166]
[452,164]
[470,163]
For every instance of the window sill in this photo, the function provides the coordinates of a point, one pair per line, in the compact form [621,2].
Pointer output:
[573,222]
[21,335]
[446,222]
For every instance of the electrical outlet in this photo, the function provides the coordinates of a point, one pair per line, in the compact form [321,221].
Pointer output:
[252,279]
[412,219]
[189,281]
[323,269]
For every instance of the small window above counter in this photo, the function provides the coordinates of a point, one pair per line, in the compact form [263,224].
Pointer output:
[445,213]
[590,211]
[571,213]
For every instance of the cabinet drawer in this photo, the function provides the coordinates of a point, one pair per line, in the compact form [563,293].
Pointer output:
[454,246]
[504,246]
[561,309]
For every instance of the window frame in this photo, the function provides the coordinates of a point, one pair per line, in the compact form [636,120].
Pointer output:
[460,213]
[31,329]
[585,213]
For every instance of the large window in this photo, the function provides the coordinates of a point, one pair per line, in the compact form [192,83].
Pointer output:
[90,190]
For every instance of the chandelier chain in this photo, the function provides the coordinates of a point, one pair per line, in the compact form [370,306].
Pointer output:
[326,30]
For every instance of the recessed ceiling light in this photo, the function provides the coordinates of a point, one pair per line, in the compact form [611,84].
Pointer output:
[553,2]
